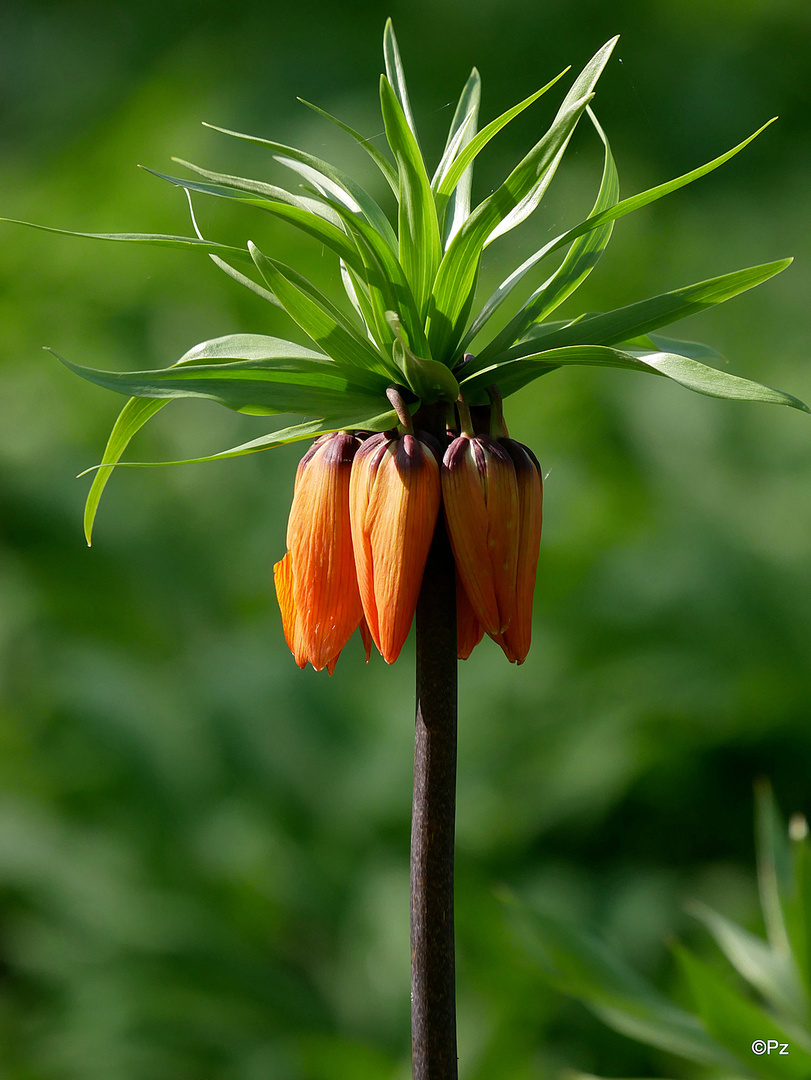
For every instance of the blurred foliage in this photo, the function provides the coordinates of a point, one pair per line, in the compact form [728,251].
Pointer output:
[768,992]
[203,850]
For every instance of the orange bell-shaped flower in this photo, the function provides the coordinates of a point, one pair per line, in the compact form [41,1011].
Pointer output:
[316,583]
[515,640]
[480,496]
[394,496]
[469,631]
[283,580]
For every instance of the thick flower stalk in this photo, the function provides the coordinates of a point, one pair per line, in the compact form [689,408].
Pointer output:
[408,352]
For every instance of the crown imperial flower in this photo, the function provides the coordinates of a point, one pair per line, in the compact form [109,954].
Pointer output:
[362,519]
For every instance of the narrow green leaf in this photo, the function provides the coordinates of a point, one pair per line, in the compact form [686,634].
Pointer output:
[510,376]
[456,277]
[461,133]
[773,864]
[581,258]
[796,905]
[580,965]
[366,206]
[318,317]
[501,211]
[243,189]
[277,351]
[260,386]
[328,176]
[247,282]
[594,221]
[468,153]
[388,288]
[308,215]
[583,85]
[385,166]
[420,247]
[138,411]
[130,420]
[396,75]
[358,294]
[646,315]
[456,139]
[644,198]
[770,972]
[350,421]
[151,239]
[696,350]
[430,380]
[734,1022]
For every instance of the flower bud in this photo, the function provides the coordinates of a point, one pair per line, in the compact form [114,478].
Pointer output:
[316,582]
[515,640]
[469,631]
[283,580]
[394,496]
[480,496]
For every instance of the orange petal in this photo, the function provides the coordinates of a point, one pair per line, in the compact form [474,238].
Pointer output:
[283,580]
[469,631]
[480,496]
[366,638]
[325,588]
[364,470]
[395,498]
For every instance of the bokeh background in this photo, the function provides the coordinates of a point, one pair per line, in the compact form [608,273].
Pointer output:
[203,850]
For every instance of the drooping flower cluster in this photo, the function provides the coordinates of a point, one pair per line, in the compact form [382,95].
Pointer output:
[362,522]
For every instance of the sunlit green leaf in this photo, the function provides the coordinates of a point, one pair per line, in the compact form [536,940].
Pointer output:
[460,164]
[308,215]
[388,288]
[349,421]
[260,387]
[396,75]
[420,247]
[644,198]
[645,315]
[130,421]
[580,260]
[461,133]
[318,317]
[385,166]
[247,282]
[338,183]
[510,376]
[696,350]
[583,86]
[243,189]
[509,204]
[150,239]
[456,277]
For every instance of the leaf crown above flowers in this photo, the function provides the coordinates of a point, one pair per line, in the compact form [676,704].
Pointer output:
[411,286]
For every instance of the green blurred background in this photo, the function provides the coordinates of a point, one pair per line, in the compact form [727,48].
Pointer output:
[203,850]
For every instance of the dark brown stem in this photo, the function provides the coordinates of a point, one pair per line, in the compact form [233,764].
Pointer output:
[433,984]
